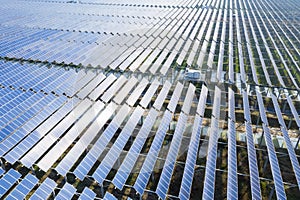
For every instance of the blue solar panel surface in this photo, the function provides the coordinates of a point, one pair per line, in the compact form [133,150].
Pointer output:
[149,99]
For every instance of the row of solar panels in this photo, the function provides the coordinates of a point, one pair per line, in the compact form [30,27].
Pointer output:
[120,143]
[77,8]
[37,132]
[26,187]
[185,39]
[255,185]
[79,122]
[151,4]
[41,78]
[290,5]
[292,78]
[96,24]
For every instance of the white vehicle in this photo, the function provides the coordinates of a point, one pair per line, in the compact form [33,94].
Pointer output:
[191,74]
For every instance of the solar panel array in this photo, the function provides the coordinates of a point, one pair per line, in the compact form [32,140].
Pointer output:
[149,99]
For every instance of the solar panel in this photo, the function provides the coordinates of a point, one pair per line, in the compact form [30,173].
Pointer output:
[210,27]
[9,95]
[44,190]
[67,192]
[60,84]
[27,115]
[26,98]
[51,138]
[172,42]
[216,103]
[42,77]
[179,44]
[114,88]
[78,85]
[113,154]
[262,109]
[82,144]
[230,24]
[188,99]
[133,153]
[232,184]
[287,140]
[254,175]
[19,114]
[147,43]
[91,157]
[184,52]
[8,180]
[202,101]
[220,61]
[247,115]
[126,62]
[162,95]
[278,112]
[68,83]
[33,95]
[56,151]
[156,41]
[125,90]
[30,124]
[249,49]
[197,24]
[259,51]
[149,94]
[122,57]
[149,162]
[43,128]
[231,68]
[26,80]
[275,66]
[137,92]
[193,52]
[175,97]
[292,154]
[143,68]
[279,185]
[79,51]
[158,61]
[10,72]
[231,103]
[203,27]
[168,63]
[51,79]
[211,55]
[209,180]
[252,64]
[87,194]
[102,87]
[91,86]
[294,111]
[109,196]
[140,59]
[188,174]
[167,170]
[23,188]
[241,63]
[202,55]
[283,60]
